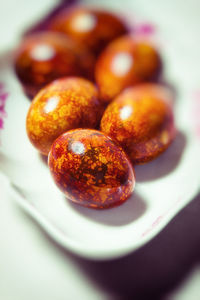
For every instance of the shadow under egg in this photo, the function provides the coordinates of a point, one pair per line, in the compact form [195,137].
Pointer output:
[131,210]
[165,163]
[43,158]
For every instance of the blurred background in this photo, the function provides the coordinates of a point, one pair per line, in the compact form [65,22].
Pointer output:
[32,266]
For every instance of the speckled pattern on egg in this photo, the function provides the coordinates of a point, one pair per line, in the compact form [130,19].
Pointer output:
[141,120]
[45,56]
[125,62]
[92,28]
[64,104]
[90,169]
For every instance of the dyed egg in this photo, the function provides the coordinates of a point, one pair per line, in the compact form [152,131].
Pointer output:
[123,63]
[90,169]
[43,57]
[89,27]
[140,119]
[64,104]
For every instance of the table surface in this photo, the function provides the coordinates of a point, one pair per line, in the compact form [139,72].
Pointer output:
[32,266]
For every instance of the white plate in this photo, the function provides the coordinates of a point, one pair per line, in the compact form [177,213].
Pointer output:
[163,186]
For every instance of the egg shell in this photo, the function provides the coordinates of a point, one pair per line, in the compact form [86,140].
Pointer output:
[45,56]
[124,62]
[90,27]
[141,120]
[64,104]
[90,169]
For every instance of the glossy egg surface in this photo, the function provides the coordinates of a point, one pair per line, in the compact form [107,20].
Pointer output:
[123,63]
[90,169]
[46,56]
[140,119]
[64,104]
[89,27]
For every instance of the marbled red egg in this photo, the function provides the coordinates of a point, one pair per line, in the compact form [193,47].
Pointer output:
[45,56]
[90,169]
[64,104]
[90,27]
[125,62]
[141,120]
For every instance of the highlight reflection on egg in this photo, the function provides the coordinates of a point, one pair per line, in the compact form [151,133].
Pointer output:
[89,27]
[64,104]
[90,169]
[123,63]
[141,120]
[45,56]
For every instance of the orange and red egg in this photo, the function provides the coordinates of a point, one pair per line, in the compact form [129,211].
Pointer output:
[125,62]
[45,56]
[90,169]
[141,120]
[64,104]
[90,27]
